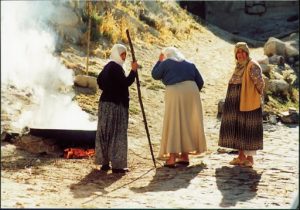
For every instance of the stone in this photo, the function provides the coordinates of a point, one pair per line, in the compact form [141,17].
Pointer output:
[279,87]
[265,115]
[290,51]
[265,68]
[38,145]
[290,118]
[263,60]
[273,119]
[86,81]
[292,110]
[274,47]
[276,59]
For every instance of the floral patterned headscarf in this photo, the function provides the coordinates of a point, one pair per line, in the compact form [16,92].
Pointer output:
[240,65]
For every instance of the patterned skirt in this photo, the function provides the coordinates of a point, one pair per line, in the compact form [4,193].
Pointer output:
[240,130]
[111,137]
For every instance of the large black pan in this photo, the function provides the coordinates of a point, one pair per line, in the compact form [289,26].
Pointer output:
[67,138]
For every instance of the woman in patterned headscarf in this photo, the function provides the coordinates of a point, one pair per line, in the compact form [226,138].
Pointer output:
[183,132]
[241,125]
[111,136]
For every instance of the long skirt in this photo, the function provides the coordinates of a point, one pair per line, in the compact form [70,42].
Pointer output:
[240,130]
[183,130]
[111,136]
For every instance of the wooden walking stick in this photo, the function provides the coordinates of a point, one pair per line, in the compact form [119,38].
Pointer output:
[140,97]
[88,38]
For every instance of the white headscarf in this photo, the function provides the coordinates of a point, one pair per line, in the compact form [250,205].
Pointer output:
[173,53]
[116,51]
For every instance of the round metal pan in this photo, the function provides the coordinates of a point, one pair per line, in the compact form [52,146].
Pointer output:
[67,137]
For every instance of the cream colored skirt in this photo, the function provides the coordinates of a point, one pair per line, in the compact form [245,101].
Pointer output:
[183,130]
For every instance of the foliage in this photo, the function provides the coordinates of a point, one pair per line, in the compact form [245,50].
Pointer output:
[110,19]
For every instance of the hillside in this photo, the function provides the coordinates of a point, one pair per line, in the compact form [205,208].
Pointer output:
[209,47]
[198,44]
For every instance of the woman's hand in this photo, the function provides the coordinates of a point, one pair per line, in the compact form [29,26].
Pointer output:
[134,66]
[161,57]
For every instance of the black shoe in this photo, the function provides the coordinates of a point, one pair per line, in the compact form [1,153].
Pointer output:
[120,170]
[170,165]
[182,162]
[105,167]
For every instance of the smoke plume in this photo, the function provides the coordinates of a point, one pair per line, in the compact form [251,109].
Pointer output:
[27,62]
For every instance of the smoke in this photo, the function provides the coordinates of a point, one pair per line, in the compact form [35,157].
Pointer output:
[27,62]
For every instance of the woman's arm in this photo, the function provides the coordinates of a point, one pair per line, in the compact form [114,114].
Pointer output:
[121,79]
[198,78]
[158,70]
[99,81]
[256,76]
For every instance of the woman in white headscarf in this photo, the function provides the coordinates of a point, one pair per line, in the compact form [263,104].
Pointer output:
[111,138]
[183,132]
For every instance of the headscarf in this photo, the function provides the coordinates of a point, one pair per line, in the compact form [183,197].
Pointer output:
[116,51]
[173,53]
[240,65]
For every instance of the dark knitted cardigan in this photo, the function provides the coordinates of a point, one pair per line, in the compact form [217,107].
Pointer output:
[114,84]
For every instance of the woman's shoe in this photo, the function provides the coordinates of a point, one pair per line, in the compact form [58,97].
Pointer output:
[235,161]
[247,163]
[169,165]
[120,170]
[183,162]
[105,167]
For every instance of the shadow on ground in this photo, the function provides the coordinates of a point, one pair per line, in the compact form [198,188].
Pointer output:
[20,159]
[95,181]
[237,184]
[170,179]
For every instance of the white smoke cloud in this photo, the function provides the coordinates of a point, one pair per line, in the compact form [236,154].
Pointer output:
[27,61]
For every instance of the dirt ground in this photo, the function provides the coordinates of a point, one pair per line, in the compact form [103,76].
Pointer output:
[44,180]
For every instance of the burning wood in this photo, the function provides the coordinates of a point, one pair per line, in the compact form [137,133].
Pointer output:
[77,153]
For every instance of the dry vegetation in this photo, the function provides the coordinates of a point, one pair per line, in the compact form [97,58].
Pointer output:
[150,24]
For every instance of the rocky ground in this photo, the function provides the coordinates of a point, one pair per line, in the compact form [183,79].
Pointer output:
[31,181]
[45,180]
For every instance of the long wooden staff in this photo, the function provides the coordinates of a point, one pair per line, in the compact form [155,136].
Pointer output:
[140,97]
[88,38]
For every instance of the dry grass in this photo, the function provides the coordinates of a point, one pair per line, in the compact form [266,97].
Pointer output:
[152,28]
[109,27]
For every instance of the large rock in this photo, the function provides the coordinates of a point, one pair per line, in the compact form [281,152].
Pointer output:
[277,47]
[263,60]
[86,81]
[279,87]
[272,119]
[289,118]
[292,44]
[266,69]
[274,47]
[277,60]
[291,51]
